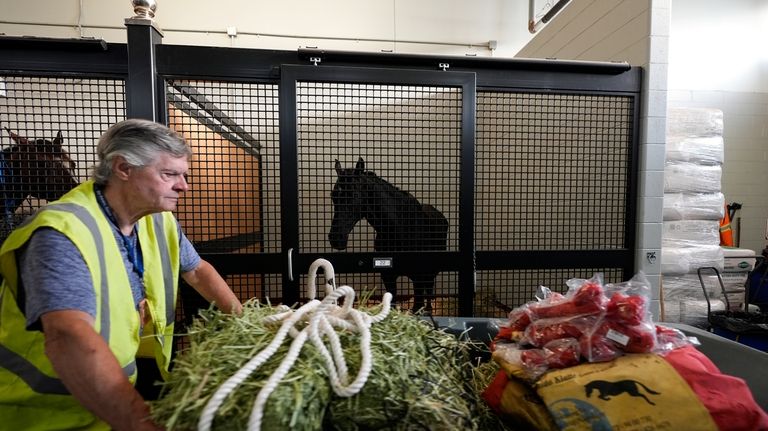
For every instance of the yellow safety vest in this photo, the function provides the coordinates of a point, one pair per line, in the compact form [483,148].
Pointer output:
[31,394]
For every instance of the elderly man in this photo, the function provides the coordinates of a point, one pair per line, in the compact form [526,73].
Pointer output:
[90,283]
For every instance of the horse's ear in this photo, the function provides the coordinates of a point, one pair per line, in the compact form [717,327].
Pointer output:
[338,167]
[59,139]
[360,166]
[19,139]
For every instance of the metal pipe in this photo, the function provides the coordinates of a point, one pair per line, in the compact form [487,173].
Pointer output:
[486,45]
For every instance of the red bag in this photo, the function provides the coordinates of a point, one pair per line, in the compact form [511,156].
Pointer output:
[727,398]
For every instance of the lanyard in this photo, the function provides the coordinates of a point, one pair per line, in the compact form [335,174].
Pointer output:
[129,241]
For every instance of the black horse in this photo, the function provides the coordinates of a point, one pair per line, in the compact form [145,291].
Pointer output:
[37,168]
[401,223]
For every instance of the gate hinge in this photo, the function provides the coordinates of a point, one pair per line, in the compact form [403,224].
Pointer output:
[315,60]
[444,66]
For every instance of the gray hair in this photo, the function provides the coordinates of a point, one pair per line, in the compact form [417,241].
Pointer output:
[139,142]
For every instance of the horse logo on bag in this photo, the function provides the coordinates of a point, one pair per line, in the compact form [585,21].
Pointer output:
[606,389]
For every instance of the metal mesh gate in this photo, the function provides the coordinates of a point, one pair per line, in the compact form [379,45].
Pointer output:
[552,173]
[233,205]
[50,128]
[395,187]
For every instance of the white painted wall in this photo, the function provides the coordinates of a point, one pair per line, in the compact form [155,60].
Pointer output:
[455,27]
[718,59]
[635,31]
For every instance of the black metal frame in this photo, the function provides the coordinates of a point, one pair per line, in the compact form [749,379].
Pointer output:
[146,63]
[363,262]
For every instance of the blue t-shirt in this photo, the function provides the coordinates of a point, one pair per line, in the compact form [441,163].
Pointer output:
[55,276]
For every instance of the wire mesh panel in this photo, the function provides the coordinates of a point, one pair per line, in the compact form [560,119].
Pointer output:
[378,172]
[233,205]
[552,171]
[368,288]
[50,129]
[500,291]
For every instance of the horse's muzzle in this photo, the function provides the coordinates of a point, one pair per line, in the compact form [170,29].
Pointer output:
[337,240]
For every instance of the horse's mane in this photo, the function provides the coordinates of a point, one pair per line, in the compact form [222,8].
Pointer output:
[406,199]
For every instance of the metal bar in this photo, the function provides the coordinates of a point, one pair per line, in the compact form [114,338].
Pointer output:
[467,198]
[210,108]
[513,259]
[142,84]
[289,179]
[275,35]
[205,117]
[602,67]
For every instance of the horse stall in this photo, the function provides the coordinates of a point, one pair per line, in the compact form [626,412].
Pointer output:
[459,184]
[48,127]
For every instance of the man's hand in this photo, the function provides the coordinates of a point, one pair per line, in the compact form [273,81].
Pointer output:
[90,371]
[208,283]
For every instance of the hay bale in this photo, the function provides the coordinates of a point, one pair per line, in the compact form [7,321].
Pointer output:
[421,378]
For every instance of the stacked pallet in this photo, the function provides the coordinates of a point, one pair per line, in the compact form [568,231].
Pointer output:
[693,207]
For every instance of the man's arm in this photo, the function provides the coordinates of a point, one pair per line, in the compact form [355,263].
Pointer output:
[208,283]
[90,371]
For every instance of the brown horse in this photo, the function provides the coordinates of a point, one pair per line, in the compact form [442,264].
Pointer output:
[36,168]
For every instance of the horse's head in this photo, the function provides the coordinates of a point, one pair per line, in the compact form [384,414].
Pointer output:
[347,203]
[41,167]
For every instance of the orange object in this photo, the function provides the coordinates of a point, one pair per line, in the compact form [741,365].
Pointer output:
[726,233]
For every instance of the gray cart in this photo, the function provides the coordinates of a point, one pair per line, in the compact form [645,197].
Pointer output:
[731,358]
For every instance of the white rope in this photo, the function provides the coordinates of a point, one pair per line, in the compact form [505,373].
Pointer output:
[321,318]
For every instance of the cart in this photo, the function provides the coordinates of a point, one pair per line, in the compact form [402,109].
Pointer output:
[745,327]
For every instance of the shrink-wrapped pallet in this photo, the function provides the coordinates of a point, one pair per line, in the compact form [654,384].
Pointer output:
[690,233]
[693,206]
[691,177]
[690,311]
[689,286]
[692,209]
[684,260]
[705,150]
[694,122]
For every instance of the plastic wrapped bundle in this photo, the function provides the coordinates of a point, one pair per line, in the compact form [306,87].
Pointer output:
[694,122]
[688,286]
[690,311]
[694,206]
[705,150]
[690,233]
[692,178]
[684,260]
[592,322]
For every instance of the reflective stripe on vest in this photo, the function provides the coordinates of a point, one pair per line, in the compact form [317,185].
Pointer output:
[38,381]
[165,258]
[90,223]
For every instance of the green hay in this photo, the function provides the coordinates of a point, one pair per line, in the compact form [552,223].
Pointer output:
[422,378]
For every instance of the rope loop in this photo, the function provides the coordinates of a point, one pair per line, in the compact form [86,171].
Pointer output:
[317,321]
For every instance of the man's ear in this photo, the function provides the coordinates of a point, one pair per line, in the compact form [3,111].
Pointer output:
[120,168]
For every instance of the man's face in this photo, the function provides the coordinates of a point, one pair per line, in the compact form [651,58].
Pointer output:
[157,187]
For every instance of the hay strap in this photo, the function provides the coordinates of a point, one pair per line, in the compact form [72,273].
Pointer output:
[321,319]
